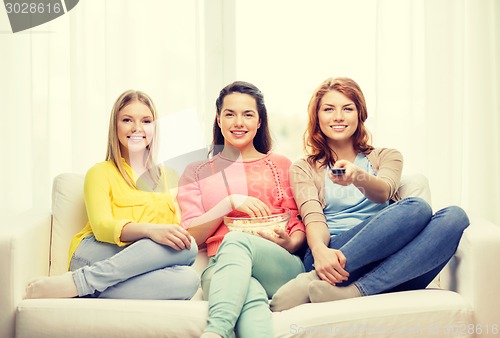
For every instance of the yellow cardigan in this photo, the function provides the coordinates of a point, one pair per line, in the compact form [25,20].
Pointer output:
[111,203]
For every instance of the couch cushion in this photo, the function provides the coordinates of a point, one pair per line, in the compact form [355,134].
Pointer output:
[422,313]
[68,218]
[404,314]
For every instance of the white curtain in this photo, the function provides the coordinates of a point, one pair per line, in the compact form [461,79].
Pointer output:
[429,70]
[60,80]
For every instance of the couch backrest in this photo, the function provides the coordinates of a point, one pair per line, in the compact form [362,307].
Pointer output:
[68,218]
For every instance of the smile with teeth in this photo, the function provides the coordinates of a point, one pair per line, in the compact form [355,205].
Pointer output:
[339,127]
[238,132]
[136,138]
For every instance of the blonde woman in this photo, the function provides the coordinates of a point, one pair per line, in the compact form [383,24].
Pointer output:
[132,246]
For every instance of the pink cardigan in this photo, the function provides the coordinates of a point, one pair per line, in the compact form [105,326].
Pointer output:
[202,186]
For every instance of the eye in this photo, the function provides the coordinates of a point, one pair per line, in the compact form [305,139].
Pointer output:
[249,115]
[328,109]
[126,120]
[349,109]
[147,121]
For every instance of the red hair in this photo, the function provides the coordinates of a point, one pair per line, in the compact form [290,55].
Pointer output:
[315,142]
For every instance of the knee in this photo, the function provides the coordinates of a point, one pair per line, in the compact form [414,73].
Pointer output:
[190,282]
[192,253]
[419,206]
[235,238]
[456,218]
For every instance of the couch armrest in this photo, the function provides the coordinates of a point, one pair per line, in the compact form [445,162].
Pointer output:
[24,254]
[474,272]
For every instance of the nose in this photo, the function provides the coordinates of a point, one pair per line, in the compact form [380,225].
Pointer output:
[338,115]
[238,121]
[137,126]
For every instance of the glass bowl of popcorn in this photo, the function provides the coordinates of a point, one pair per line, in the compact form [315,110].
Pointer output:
[238,221]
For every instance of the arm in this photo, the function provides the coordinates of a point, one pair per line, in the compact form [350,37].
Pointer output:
[167,234]
[374,188]
[120,231]
[97,195]
[329,263]
[200,224]
[379,188]
[294,237]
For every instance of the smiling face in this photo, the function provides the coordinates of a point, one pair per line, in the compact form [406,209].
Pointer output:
[338,118]
[135,128]
[239,121]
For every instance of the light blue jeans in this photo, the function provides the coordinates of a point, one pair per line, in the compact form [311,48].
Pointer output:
[403,247]
[141,270]
[239,281]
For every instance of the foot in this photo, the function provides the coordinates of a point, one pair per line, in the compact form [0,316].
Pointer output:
[321,291]
[293,293]
[62,286]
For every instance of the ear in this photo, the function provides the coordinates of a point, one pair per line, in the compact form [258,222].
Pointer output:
[218,120]
[258,126]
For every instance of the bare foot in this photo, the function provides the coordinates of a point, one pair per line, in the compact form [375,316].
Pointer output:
[62,286]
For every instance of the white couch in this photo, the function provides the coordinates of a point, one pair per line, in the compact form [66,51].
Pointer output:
[36,243]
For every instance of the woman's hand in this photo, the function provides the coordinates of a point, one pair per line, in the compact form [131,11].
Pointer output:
[249,205]
[171,235]
[329,265]
[351,173]
[282,239]
[375,189]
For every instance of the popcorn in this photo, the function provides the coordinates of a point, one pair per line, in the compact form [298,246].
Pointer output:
[253,225]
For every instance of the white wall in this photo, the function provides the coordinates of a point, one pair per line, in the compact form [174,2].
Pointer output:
[60,80]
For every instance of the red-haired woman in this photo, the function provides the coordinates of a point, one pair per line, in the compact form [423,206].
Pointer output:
[361,240]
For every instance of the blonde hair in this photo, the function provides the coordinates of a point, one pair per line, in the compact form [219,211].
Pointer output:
[315,142]
[114,153]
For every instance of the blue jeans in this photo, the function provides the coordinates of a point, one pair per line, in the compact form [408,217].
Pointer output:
[403,247]
[239,281]
[141,270]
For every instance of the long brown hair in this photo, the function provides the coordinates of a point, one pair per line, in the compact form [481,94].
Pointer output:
[315,142]
[114,153]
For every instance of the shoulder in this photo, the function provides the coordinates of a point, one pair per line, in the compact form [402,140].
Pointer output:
[101,175]
[302,165]
[101,168]
[193,169]
[279,159]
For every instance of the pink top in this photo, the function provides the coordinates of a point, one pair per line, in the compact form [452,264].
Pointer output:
[202,186]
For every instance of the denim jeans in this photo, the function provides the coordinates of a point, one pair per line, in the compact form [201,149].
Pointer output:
[141,270]
[403,247]
[239,281]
